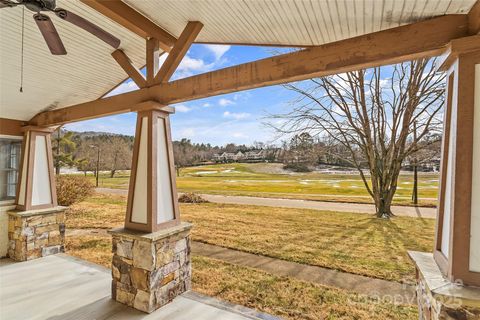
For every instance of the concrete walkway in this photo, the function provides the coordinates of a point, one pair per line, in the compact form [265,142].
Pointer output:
[417,212]
[386,290]
[373,287]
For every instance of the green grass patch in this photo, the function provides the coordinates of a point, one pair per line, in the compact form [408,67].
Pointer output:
[269,180]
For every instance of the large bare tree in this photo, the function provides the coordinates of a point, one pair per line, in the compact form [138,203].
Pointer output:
[371,113]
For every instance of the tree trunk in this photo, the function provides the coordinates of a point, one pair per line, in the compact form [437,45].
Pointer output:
[57,170]
[112,173]
[383,207]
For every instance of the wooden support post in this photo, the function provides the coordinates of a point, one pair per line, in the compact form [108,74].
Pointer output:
[178,51]
[36,188]
[457,245]
[152,195]
[152,56]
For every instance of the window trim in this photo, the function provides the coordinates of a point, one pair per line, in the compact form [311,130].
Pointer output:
[6,203]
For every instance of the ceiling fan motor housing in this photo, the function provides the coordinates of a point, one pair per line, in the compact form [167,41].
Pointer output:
[39,5]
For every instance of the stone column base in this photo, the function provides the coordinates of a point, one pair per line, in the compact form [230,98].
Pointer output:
[36,233]
[437,297]
[150,270]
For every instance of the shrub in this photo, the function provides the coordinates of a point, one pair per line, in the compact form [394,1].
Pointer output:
[191,197]
[297,167]
[71,189]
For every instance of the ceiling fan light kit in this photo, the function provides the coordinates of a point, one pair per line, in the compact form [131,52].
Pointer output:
[47,28]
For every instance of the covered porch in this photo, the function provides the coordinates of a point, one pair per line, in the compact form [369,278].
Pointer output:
[151,264]
[63,287]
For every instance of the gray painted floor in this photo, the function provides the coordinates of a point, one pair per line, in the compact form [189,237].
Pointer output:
[61,287]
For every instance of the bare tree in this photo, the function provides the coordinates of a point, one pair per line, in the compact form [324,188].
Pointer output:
[117,154]
[371,114]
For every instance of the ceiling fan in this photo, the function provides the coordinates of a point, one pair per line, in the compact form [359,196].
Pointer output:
[47,28]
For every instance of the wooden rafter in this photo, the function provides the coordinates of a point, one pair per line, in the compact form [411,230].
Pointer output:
[474,19]
[129,68]
[178,51]
[421,39]
[131,19]
[152,60]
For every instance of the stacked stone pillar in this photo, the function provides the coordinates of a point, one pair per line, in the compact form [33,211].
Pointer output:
[37,227]
[151,255]
[150,270]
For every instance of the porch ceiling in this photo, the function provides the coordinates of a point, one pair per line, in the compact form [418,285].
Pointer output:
[291,22]
[85,73]
[88,70]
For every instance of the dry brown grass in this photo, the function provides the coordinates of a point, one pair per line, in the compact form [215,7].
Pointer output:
[286,297]
[281,296]
[355,243]
[96,249]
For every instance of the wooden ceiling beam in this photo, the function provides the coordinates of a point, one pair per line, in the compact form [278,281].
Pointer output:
[474,19]
[11,127]
[179,50]
[418,40]
[133,20]
[129,68]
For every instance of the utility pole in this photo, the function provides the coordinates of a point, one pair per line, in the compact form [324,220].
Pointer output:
[415,167]
[98,163]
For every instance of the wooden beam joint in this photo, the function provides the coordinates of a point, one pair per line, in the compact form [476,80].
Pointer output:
[178,51]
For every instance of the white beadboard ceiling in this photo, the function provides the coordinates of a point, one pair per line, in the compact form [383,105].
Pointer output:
[88,70]
[291,22]
[85,73]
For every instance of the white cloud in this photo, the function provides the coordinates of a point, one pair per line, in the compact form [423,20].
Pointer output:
[182,108]
[187,133]
[236,116]
[239,135]
[124,87]
[218,50]
[225,102]
[207,104]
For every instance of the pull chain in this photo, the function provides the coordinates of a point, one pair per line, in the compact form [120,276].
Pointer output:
[21,64]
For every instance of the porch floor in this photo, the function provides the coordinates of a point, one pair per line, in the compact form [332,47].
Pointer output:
[63,287]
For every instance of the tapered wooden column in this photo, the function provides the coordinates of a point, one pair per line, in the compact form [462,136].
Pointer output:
[152,197]
[457,245]
[36,189]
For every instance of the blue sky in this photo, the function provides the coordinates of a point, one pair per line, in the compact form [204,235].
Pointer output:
[217,120]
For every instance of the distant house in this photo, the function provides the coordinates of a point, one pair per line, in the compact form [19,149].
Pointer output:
[249,156]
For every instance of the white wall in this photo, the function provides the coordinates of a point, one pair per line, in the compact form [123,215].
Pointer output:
[139,206]
[164,186]
[41,189]
[475,218]
[445,243]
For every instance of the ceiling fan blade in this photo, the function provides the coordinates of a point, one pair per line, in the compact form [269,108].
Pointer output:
[7,4]
[50,34]
[88,26]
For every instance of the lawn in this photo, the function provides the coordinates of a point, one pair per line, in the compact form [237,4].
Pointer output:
[282,296]
[350,242]
[355,243]
[268,180]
